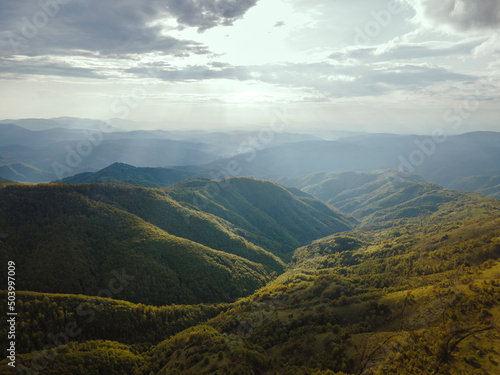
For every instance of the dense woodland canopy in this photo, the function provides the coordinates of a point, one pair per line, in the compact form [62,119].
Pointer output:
[409,284]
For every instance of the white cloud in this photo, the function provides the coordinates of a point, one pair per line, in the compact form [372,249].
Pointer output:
[489,47]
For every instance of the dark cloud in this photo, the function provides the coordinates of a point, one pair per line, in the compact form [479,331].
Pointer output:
[218,64]
[206,14]
[464,15]
[110,28]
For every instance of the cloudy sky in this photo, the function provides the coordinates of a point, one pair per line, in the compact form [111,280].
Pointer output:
[362,65]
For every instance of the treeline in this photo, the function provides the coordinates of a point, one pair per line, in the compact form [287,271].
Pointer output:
[98,319]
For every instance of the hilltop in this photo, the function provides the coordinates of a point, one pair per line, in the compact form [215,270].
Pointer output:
[124,174]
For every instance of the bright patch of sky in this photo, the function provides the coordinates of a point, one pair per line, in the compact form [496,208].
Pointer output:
[367,65]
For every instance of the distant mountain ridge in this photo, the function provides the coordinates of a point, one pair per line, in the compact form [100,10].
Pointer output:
[85,145]
[446,163]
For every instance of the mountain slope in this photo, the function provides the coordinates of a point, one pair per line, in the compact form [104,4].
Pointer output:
[68,243]
[158,208]
[267,214]
[376,198]
[111,319]
[5,181]
[373,302]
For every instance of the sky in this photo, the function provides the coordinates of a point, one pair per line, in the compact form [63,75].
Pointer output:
[401,66]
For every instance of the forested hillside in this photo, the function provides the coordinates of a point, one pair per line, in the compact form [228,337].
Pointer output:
[268,214]
[410,287]
[73,238]
[68,243]
[416,298]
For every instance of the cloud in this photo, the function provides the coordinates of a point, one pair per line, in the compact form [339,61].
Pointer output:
[358,81]
[461,15]
[489,47]
[408,51]
[193,73]
[206,14]
[329,80]
[44,67]
[109,28]
[416,76]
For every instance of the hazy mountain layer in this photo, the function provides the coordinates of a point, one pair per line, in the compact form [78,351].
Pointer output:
[442,160]
[5,181]
[124,174]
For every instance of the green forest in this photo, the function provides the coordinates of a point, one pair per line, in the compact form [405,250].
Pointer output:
[381,276]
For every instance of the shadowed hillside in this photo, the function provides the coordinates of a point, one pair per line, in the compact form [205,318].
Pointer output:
[69,243]
[267,214]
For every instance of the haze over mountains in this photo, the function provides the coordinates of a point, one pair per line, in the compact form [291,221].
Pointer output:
[48,150]
[45,150]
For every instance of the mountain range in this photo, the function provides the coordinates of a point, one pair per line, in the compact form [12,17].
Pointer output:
[370,254]
[34,150]
[403,282]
